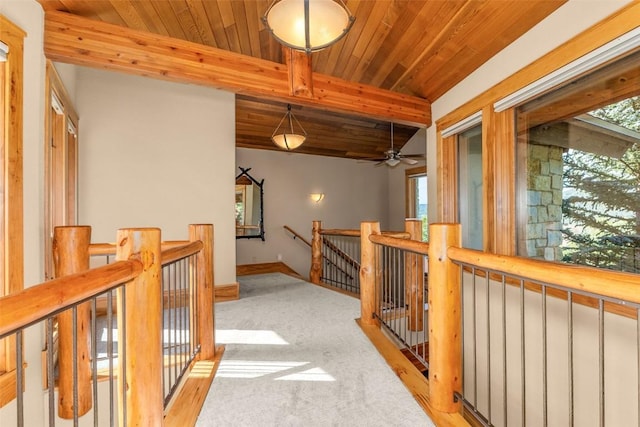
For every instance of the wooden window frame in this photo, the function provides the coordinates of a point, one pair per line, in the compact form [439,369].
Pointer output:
[410,191]
[500,135]
[11,237]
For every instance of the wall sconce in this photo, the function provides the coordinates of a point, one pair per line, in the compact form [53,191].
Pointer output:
[316,197]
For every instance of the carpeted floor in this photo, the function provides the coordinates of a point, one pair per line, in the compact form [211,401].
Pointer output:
[295,357]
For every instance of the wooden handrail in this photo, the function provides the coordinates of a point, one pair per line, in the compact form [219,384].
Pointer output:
[297,235]
[24,308]
[110,248]
[178,252]
[612,284]
[398,243]
[338,232]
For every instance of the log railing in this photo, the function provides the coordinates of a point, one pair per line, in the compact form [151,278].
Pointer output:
[515,341]
[94,380]
[335,255]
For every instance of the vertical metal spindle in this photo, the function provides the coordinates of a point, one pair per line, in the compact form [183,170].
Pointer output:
[544,356]
[124,353]
[504,350]
[463,333]
[109,327]
[523,378]
[474,332]
[173,326]
[94,359]
[19,376]
[74,361]
[570,352]
[51,386]
[601,359]
[638,361]
[488,308]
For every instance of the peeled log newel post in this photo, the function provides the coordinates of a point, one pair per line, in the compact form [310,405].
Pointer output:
[140,331]
[315,275]
[204,274]
[414,278]
[445,319]
[368,273]
[70,256]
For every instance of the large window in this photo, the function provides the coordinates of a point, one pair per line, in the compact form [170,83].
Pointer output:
[579,170]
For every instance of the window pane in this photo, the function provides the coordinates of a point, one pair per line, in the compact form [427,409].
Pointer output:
[579,182]
[470,187]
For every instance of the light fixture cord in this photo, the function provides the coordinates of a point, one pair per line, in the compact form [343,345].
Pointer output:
[307,37]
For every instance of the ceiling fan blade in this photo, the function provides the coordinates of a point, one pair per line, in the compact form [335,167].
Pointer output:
[413,156]
[408,161]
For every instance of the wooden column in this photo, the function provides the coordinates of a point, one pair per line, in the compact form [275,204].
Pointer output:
[140,360]
[70,256]
[205,282]
[300,72]
[445,319]
[315,274]
[414,278]
[368,272]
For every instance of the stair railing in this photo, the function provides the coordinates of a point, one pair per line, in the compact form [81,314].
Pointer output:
[124,385]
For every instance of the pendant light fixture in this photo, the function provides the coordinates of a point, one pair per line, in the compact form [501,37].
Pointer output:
[308,25]
[289,139]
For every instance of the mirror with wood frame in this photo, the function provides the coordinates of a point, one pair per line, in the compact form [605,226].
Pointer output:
[249,206]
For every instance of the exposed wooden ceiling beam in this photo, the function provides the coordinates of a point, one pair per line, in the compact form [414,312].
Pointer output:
[76,40]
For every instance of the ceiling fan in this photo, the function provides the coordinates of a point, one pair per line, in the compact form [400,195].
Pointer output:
[394,156]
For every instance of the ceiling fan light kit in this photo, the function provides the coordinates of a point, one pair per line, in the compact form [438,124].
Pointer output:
[308,25]
[289,139]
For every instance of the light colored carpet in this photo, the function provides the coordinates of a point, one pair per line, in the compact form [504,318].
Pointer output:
[296,357]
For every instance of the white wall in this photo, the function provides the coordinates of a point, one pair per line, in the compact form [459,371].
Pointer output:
[28,15]
[566,22]
[156,154]
[354,192]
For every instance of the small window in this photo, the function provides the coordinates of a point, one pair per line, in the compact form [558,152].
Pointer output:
[470,206]
[417,201]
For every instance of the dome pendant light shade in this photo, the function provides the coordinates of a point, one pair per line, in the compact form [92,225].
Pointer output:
[308,25]
[288,139]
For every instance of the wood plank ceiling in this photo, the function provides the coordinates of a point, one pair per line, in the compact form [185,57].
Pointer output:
[417,47]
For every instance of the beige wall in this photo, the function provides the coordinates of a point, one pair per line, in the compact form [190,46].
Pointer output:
[156,154]
[354,191]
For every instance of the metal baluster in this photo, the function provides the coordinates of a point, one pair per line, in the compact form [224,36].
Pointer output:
[19,376]
[475,337]
[124,353]
[51,381]
[570,352]
[463,333]
[94,359]
[109,327]
[487,302]
[74,361]
[601,359]
[544,356]
[504,350]
[638,360]
[522,356]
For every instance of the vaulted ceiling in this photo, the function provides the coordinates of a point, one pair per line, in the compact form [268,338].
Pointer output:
[420,48]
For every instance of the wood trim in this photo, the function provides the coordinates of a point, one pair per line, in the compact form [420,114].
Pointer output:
[412,378]
[488,179]
[11,184]
[410,192]
[504,181]
[599,34]
[184,409]
[81,41]
[447,189]
[223,293]
[268,267]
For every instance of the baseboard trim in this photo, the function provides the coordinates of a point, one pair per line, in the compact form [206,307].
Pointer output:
[222,293]
[412,378]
